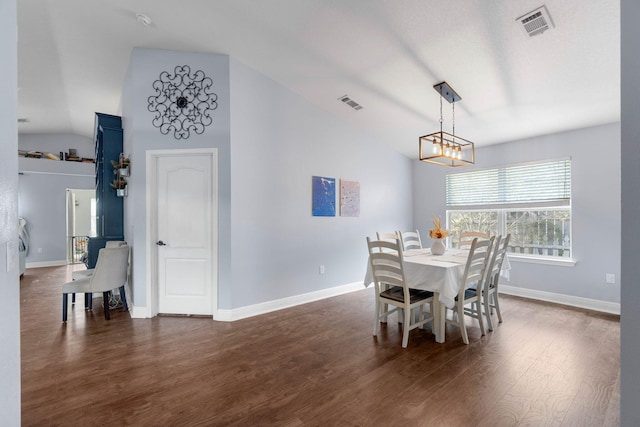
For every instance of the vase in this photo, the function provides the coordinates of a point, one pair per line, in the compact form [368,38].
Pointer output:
[437,247]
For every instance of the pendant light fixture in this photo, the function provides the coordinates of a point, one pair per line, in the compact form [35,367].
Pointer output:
[445,148]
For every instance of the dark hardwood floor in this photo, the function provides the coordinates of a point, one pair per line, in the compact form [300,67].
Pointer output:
[312,365]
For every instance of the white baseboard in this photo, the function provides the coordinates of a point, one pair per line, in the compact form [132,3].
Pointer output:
[269,306]
[265,307]
[591,304]
[45,264]
[138,312]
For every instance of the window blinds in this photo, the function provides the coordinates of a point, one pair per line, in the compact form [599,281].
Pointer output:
[545,183]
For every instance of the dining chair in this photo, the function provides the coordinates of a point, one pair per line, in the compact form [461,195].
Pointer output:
[388,237]
[466,237]
[391,289]
[110,273]
[410,240]
[81,274]
[474,275]
[490,298]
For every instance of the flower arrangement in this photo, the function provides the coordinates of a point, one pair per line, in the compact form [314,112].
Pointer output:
[437,232]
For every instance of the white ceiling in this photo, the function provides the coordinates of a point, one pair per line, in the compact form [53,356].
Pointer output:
[384,54]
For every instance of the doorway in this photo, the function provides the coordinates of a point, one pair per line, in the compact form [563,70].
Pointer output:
[182,218]
[81,222]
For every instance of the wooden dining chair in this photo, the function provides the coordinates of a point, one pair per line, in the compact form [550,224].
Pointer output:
[466,237]
[391,289]
[490,299]
[468,301]
[410,240]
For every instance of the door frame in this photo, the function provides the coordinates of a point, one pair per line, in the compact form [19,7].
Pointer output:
[152,157]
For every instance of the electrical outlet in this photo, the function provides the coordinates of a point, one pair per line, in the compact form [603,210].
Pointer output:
[39,250]
[321,269]
[610,278]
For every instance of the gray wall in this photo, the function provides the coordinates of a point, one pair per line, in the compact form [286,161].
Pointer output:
[43,203]
[10,313]
[278,142]
[271,142]
[140,136]
[595,198]
[630,332]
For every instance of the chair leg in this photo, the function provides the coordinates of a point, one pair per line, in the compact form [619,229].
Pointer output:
[105,302]
[406,327]
[497,305]
[124,299]
[463,327]
[376,318]
[486,302]
[64,307]
[90,300]
[480,319]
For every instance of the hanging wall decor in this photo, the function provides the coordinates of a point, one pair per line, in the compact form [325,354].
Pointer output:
[183,102]
[349,198]
[324,196]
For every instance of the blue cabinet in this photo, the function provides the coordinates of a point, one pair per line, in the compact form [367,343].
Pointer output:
[109,207]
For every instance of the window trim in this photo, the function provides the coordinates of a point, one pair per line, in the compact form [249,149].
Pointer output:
[537,259]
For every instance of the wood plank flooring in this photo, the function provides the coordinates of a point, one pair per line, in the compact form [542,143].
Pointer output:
[312,365]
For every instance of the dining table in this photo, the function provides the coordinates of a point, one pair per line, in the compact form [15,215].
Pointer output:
[440,274]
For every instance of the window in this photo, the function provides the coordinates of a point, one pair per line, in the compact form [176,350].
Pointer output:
[531,201]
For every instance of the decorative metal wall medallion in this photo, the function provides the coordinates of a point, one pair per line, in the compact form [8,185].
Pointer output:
[183,102]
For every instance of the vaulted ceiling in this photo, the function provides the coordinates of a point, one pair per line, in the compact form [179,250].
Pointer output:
[384,54]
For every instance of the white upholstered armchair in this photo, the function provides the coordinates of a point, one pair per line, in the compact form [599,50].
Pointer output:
[110,273]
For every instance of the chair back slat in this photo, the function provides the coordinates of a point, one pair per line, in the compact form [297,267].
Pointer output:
[386,263]
[475,268]
[498,256]
[410,240]
[466,237]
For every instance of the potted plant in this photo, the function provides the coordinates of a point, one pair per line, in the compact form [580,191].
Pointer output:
[121,167]
[120,185]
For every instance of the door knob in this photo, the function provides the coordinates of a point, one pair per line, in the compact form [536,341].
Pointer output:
[161,243]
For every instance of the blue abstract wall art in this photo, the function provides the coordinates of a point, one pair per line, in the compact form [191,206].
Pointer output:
[324,196]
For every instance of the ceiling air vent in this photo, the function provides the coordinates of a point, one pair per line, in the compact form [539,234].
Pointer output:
[537,21]
[350,102]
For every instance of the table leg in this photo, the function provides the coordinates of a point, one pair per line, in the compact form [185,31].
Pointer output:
[439,312]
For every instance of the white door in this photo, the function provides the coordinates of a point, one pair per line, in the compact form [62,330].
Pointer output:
[186,203]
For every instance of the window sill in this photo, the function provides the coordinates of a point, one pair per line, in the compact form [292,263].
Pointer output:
[563,262]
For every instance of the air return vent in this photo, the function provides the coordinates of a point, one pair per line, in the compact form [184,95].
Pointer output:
[537,21]
[350,102]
